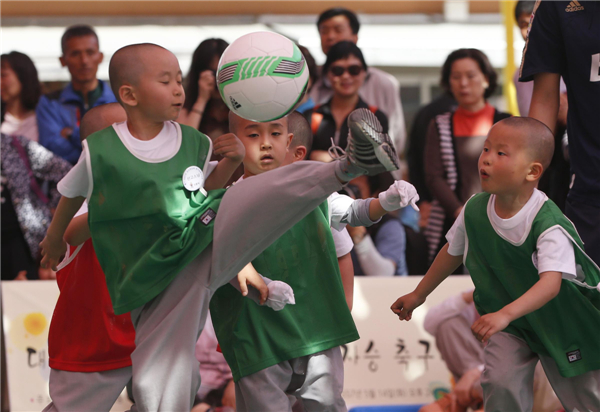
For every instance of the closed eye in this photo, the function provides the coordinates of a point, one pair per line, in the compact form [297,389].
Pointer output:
[501,154]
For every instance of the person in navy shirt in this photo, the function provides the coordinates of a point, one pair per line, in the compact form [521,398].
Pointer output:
[564,40]
[59,113]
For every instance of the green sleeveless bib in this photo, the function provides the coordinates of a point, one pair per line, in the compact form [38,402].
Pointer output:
[254,337]
[146,226]
[566,328]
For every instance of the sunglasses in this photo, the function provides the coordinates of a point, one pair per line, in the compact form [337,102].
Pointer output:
[353,70]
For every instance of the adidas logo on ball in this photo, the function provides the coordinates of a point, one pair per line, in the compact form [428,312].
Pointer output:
[234,103]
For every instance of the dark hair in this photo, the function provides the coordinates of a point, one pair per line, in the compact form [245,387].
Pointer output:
[77,31]
[27,74]
[483,63]
[343,50]
[201,59]
[339,11]
[313,73]
[523,7]
[298,125]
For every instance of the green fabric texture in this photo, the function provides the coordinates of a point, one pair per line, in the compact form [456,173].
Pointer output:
[568,327]
[145,225]
[254,337]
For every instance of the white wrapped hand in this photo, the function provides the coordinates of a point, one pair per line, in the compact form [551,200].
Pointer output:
[280,294]
[399,195]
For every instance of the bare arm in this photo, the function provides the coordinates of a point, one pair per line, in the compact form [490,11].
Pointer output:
[78,230]
[443,265]
[347,273]
[545,99]
[233,152]
[537,296]
[53,246]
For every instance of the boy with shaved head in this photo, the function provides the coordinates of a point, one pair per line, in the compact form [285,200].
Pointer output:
[89,347]
[535,288]
[162,234]
[277,358]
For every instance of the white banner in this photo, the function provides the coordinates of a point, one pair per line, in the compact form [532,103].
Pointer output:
[393,363]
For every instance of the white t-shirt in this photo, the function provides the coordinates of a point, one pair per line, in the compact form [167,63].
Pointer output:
[554,249]
[159,149]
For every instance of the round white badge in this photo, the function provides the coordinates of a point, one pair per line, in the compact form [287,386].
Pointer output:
[193,178]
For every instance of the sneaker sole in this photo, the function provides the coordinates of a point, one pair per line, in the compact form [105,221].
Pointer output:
[364,123]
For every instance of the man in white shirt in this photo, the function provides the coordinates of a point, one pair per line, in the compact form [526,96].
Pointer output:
[380,89]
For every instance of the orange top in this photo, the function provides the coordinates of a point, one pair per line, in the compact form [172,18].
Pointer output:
[468,124]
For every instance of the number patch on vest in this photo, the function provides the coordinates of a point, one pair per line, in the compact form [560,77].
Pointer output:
[574,356]
[208,216]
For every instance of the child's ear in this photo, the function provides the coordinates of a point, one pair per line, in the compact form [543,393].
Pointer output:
[299,153]
[535,172]
[127,95]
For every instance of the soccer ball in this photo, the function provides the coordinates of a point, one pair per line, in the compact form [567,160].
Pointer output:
[262,76]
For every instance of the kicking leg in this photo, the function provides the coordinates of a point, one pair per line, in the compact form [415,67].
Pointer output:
[258,210]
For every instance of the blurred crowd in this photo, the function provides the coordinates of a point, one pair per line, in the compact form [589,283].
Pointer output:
[40,141]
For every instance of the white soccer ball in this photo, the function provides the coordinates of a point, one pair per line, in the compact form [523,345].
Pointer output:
[262,76]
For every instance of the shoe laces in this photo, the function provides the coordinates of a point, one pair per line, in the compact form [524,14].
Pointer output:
[335,151]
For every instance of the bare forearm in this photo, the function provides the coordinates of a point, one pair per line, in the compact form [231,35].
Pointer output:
[66,209]
[537,296]
[193,118]
[545,99]
[376,212]
[347,273]
[221,175]
[78,230]
[443,265]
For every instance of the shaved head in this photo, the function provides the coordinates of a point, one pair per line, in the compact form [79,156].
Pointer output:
[129,63]
[236,121]
[101,117]
[298,125]
[534,136]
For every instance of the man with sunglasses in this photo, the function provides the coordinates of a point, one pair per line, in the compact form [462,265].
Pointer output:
[380,89]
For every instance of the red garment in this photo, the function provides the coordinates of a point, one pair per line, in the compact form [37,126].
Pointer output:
[85,334]
[468,124]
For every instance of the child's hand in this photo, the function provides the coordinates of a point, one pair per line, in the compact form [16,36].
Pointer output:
[252,278]
[399,195]
[489,324]
[230,147]
[52,250]
[404,306]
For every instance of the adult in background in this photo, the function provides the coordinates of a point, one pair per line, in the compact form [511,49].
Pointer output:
[203,108]
[26,209]
[307,101]
[379,88]
[345,69]
[455,140]
[20,90]
[59,113]
[556,179]
[564,40]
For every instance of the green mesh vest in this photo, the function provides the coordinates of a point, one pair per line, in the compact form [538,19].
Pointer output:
[254,337]
[568,327]
[146,226]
